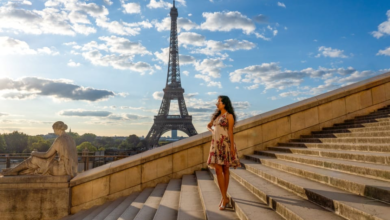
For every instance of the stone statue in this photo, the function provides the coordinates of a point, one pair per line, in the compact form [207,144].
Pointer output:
[46,163]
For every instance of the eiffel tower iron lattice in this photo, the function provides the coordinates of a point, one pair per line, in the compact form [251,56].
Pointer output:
[164,122]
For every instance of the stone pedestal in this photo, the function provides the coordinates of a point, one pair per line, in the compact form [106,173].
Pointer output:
[34,197]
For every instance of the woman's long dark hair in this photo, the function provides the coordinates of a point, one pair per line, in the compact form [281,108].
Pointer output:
[228,106]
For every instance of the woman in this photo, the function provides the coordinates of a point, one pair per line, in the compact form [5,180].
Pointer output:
[45,163]
[223,152]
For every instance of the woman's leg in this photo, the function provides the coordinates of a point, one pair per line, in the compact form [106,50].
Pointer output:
[221,181]
[226,175]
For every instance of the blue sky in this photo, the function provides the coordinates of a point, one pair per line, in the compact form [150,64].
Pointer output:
[100,66]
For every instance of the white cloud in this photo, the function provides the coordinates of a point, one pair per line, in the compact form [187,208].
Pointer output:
[383,28]
[280,4]
[48,51]
[227,21]
[108,2]
[261,19]
[124,46]
[58,89]
[186,73]
[385,52]
[131,8]
[159,4]
[191,38]
[164,57]
[212,93]
[182,23]
[158,95]
[329,52]
[117,52]
[73,64]
[271,75]
[121,27]
[10,45]
[78,17]
[210,67]
[212,47]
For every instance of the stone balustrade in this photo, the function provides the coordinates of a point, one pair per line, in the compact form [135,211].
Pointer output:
[123,177]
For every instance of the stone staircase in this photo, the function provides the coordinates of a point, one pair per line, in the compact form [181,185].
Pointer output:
[341,172]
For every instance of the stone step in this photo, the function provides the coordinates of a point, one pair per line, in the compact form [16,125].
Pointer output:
[246,204]
[169,204]
[285,203]
[372,188]
[365,157]
[386,112]
[364,125]
[384,108]
[376,171]
[356,134]
[80,215]
[210,197]
[190,206]
[93,214]
[117,212]
[352,130]
[376,118]
[132,210]
[364,121]
[344,204]
[338,146]
[350,140]
[151,205]
[105,212]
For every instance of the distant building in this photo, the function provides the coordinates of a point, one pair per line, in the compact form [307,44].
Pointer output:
[174,134]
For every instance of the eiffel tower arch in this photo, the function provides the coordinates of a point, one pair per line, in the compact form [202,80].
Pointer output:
[173,90]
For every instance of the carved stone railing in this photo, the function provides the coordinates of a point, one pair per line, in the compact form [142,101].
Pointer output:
[147,169]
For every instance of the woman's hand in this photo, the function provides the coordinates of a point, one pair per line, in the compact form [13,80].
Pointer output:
[233,152]
[209,127]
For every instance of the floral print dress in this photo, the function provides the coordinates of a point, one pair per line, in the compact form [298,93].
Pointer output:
[220,145]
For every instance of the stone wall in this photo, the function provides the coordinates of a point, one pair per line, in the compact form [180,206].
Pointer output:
[34,197]
[147,169]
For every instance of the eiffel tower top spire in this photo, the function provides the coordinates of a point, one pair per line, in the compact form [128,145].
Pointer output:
[173,75]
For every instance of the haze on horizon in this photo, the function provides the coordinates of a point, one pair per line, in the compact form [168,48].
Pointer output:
[100,66]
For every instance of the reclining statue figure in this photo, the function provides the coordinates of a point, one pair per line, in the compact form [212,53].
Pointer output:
[46,163]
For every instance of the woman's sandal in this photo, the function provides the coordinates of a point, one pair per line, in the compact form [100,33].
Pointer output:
[227,205]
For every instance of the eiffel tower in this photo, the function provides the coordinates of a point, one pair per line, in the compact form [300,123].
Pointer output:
[164,122]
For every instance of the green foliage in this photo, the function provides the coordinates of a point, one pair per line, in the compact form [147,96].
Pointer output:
[86,145]
[3,145]
[125,146]
[38,143]
[101,149]
[133,139]
[74,135]
[16,142]
[140,145]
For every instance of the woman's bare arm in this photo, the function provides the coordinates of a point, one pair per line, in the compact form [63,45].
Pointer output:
[210,125]
[230,132]
[48,153]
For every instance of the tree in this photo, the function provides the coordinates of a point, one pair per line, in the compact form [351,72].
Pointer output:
[3,145]
[101,149]
[133,139]
[125,146]
[16,142]
[87,137]
[140,146]
[86,145]
[38,143]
